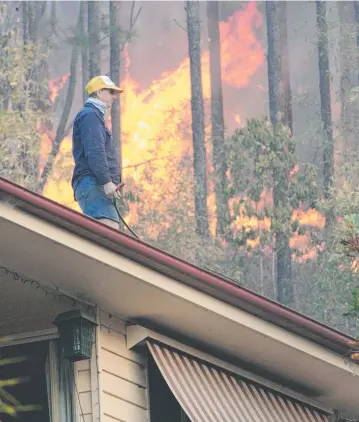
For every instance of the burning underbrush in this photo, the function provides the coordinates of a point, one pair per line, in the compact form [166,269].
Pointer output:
[157,142]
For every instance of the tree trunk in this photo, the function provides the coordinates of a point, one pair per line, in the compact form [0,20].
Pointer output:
[325,106]
[115,62]
[53,17]
[280,112]
[60,132]
[199,149]
[84,47]
[287,94]
[31,17]
[348,73]
[356,7]
[217,121]
[94,38]
[25,21]
[32,13]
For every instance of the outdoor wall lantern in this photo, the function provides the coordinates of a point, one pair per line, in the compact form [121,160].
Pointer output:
[76,330]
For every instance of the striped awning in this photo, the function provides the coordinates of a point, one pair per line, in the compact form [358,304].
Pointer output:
[210,394]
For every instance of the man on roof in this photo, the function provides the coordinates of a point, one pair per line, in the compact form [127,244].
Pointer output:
[96,178]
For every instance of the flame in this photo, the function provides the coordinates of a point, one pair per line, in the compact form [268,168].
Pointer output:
[47,137]
[355,265]
[56,85]
[57,187]
[237,119]
[300,243]
[237,36]
[156,129]
[294,170]
[312,218]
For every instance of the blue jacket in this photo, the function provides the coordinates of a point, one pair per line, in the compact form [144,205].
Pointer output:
[93,149]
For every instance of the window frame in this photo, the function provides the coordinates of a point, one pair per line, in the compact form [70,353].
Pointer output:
[51,369]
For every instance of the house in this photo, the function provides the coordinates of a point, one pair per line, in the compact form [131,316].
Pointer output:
[172,342]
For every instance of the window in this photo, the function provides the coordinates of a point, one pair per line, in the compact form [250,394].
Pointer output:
[32,391]
[163,405]
[47,382]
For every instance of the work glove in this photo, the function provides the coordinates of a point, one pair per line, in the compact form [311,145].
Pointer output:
[112,190]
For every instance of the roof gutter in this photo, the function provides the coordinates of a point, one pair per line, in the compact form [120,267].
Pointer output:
[203,280]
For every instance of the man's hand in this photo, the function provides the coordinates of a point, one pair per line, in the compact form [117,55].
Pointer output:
[112,190]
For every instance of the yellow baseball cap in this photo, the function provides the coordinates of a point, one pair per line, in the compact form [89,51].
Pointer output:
[101,82]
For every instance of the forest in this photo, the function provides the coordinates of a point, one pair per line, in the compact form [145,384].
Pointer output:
[236,131]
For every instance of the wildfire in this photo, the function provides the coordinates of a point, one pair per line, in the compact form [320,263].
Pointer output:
[237,118]
[299,243]
[56,85]
[156,126]
[355,265]
[312,218]
[294,170]
[242,54]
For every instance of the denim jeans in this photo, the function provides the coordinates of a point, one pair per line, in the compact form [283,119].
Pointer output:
[93,201]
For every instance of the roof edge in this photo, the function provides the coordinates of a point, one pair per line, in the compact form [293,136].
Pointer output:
[213,284]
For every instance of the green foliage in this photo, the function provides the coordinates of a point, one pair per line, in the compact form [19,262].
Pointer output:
[336,271]
[262,161]
[23,103]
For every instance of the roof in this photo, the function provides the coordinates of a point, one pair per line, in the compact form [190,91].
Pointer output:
[203,280]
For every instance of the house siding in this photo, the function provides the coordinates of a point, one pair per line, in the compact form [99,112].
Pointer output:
[123,376]
[84,391]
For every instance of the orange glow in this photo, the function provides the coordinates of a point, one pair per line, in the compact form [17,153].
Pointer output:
[56,85]
[242,54]
[45,146]
[156,129]
[58,186]
[252,223]
[156,121]
[355,265]
[312,218]
[294,170]
[301,243]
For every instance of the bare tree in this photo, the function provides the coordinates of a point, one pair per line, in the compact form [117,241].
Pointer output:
[356,8]
[287,94]
[279,94]
[31,21]
[115,62]
[84,47]
[94,38]
[32,13]
[348,53]
[219,162]
[199,149]
[61,129]
[325,104]
[25,21]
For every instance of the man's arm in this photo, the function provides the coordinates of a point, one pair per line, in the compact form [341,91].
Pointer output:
[93,136]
